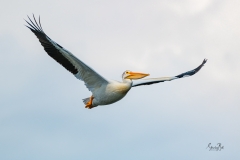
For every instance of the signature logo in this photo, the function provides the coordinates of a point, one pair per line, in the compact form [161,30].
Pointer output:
[218,147]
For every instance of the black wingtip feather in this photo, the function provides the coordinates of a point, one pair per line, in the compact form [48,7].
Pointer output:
[40,23]
[30,26]
[192,72]
[35,27]
[36,23]
[51,47]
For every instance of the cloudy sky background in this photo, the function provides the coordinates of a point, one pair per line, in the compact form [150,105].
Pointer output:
[41,111]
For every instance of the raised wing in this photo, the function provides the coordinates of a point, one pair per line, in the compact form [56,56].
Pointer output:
[163,79]
[80,70]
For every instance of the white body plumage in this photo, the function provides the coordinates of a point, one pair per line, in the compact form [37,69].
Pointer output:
[111,92]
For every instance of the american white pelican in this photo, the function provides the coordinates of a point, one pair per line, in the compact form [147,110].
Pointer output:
[104,91]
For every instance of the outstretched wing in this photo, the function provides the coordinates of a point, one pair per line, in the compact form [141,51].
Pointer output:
[80,70]
[162,79]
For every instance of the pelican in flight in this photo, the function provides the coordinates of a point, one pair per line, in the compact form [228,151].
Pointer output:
[104,91]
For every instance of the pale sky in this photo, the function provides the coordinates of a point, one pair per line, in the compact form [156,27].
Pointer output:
[42,115]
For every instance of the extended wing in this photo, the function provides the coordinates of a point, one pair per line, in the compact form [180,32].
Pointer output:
[162,79]
[80,70]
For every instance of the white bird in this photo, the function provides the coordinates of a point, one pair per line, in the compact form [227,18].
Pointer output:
[104,91]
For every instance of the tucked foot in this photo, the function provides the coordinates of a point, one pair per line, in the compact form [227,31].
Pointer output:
[89,103]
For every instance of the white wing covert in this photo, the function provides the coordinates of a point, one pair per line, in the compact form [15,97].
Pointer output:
[80,70]
[150,81]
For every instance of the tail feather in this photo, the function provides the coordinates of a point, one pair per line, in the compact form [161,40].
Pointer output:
[86,100]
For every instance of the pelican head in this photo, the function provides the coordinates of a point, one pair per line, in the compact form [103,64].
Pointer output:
[133,75]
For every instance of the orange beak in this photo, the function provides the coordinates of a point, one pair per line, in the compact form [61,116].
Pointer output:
[136,75]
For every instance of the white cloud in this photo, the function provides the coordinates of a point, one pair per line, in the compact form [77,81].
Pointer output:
[189,7]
